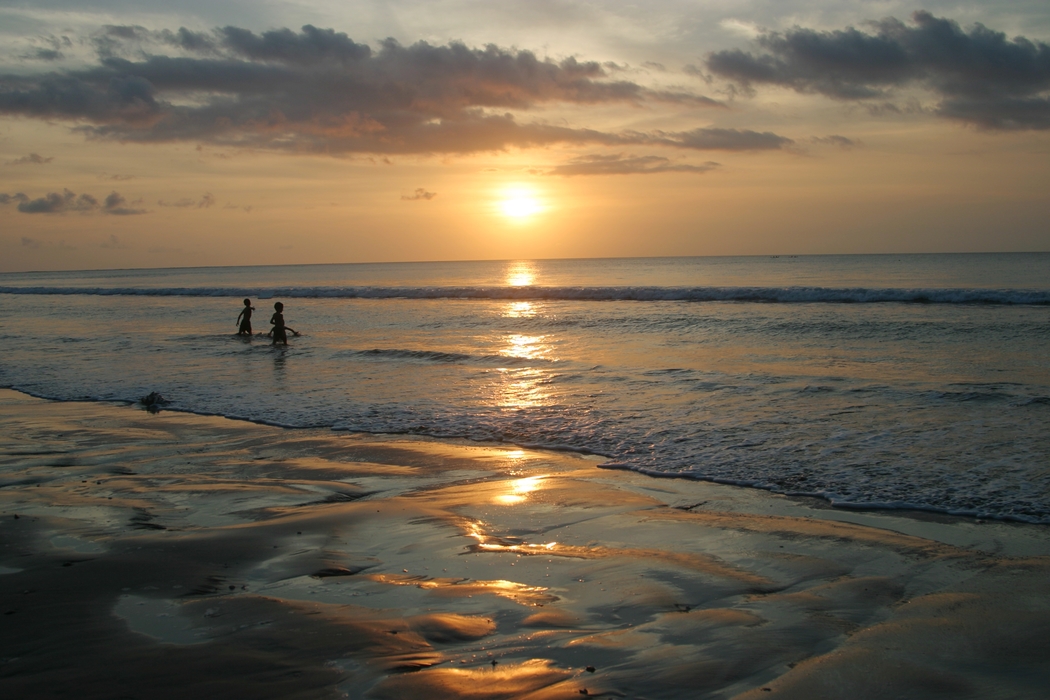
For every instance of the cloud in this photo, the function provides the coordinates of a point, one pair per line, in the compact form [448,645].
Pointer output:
[68,201]
[206,201]
[116,204]
[726,140]
[32,158]
[318,91]
[55,203]
[621,164]
[981,77]
[420,193]
[43,55]
[30,242]
[836,140]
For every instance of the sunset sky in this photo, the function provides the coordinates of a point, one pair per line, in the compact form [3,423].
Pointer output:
[149,133]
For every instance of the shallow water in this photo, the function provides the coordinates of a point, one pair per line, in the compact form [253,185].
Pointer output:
[889,381]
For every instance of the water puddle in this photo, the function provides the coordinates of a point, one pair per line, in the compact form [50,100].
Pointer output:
[160,619]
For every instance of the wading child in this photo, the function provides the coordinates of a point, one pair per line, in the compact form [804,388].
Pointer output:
[244,318]
[279,334]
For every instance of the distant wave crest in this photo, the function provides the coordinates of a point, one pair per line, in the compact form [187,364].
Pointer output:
[783,295]
[441,357]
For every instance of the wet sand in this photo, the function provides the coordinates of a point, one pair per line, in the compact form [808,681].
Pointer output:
[169,555]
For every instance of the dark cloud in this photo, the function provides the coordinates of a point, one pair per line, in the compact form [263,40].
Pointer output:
[310,47]
[44,55]
[981,77]
[318,91]
[116,204]
[727,140]
[621,164]
[55,203]
[420,193]
[31,159]
[67,201]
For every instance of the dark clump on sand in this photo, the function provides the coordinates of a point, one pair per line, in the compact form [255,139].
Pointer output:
[174,556]
[153,401]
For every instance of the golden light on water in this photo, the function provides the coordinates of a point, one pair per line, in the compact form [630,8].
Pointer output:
[520,274]
[520,309]
[520,490]
[522,388]
[526,347]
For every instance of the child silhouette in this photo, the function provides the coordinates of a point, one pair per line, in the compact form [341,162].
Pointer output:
[244,318]
[279,329]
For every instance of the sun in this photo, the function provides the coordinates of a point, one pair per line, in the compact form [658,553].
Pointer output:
[519,202]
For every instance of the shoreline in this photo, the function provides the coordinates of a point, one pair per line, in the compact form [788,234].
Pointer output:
[162,554]
[814,499]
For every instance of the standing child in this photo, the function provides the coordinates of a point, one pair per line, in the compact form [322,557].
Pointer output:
[244,318]
[279,334]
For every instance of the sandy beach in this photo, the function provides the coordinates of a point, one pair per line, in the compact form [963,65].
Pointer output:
[173,555]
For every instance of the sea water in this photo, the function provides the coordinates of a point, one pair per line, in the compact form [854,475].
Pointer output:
[917,381]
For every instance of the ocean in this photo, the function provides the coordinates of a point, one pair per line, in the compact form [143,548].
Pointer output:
[871,381]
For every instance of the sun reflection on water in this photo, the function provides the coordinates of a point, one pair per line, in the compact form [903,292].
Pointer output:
[520,274]
[520,490]
[528,347]
[522,388]
[520,309]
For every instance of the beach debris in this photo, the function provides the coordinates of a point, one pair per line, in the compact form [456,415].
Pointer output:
[590,669]
[153,401]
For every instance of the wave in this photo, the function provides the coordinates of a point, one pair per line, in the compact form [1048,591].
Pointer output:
[441,357]
[784,295]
